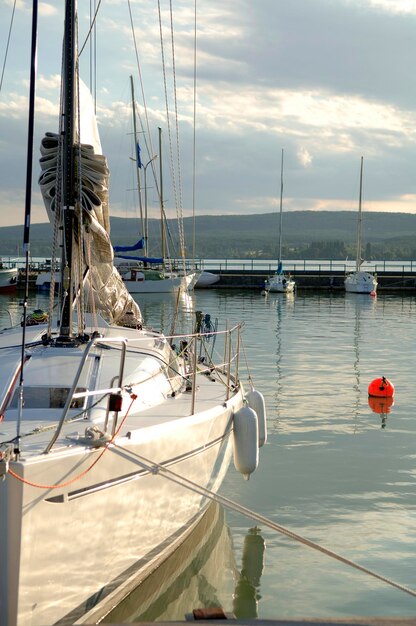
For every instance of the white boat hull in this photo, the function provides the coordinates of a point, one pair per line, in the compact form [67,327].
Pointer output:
[280,283]
[360,282]
[81,543]
[8,279]
[170,284]
[114,513]
[206,279]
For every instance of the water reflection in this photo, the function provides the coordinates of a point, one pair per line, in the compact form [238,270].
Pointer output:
[283,304]
[200,574]
[356,343]
[167,312]
[247,590]
[382,406]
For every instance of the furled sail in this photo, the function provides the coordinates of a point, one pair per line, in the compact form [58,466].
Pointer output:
[104,283]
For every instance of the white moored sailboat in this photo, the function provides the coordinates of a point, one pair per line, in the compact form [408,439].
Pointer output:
[360,281]
[280,282]
[143,274]
[103,423]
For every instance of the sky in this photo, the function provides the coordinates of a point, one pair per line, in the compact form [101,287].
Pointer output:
[326,81]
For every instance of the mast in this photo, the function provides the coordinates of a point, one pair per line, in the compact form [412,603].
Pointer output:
[162,212]
[138,163]
[28,210]
[281,210]
[68,165]
[360,222]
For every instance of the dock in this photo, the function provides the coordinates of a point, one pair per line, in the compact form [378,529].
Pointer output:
[390,280]
[322,275]
[323,280]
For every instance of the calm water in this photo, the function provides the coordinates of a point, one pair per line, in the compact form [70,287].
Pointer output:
[333,470]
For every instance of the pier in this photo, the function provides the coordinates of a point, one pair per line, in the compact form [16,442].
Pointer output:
[326,275]
[388,281]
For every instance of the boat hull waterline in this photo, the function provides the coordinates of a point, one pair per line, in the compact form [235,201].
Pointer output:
[360,282]
[280,284]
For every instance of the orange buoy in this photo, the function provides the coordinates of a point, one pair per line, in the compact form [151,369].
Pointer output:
[382,406]
[381,388]
[373,294]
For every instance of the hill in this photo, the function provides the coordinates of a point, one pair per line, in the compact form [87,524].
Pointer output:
[307,234]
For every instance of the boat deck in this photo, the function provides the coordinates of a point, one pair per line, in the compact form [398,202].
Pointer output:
[38,425]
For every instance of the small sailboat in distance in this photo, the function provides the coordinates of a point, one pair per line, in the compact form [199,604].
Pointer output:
[280,282]
[360,281]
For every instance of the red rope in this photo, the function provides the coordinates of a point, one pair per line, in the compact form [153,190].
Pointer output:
[88,469]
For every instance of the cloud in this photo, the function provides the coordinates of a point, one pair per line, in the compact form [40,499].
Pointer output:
[304,157]
[46,9]
[395,6]
[327,81]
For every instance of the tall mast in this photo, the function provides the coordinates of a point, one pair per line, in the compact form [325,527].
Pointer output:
[360,222]
[138,164]
[162,211]
[68,164]
[281,209]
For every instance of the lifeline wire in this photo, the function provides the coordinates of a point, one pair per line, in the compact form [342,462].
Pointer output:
[156,468]
[7,45]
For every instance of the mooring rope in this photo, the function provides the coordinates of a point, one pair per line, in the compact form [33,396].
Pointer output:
[156,468]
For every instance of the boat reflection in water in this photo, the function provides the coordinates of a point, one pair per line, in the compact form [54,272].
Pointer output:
[247,590]
[201,573]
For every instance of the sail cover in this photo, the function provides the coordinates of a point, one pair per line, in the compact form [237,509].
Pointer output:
[137,246]
[144,259]
[110,295]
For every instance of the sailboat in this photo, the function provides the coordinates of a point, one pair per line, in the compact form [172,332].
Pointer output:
[360,281]
[280,282]
[8,278]
[112,435]
[144,274]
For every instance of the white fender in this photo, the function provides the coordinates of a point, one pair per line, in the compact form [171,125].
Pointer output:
[255,401]
[246,441]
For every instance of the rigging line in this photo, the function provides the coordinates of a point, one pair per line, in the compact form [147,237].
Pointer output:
[7,45]
[90,29]
[167,109]
[194,136]
[178,156]
[151,150]
[157,468]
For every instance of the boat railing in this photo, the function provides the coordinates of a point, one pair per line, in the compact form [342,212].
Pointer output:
[197,351]
[72,392]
